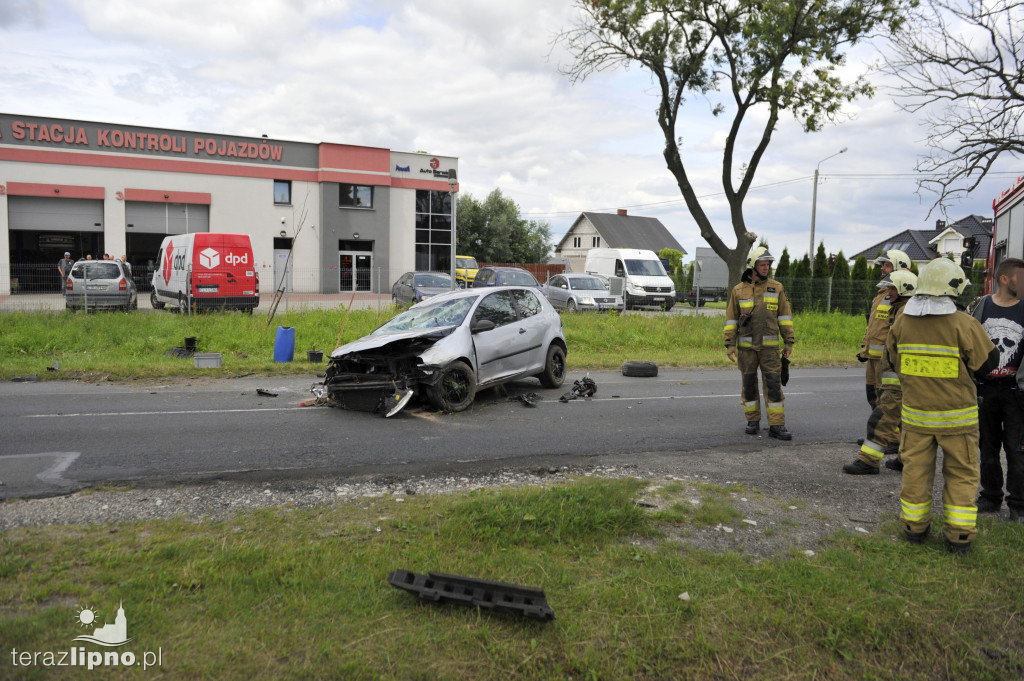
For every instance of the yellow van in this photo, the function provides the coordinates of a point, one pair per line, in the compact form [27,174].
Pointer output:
[465,270]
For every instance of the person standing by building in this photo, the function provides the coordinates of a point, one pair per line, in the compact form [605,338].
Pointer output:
[64,267]
[1001,419]
[936,350]
[878,325]
[758,314]
[883,430]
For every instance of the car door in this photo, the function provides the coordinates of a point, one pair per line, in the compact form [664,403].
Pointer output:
[533,331]
[558,291]
[499,351]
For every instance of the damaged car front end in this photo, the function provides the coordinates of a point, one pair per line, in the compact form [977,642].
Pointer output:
[434,348]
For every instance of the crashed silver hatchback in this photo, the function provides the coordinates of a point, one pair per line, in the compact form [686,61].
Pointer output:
[448,347]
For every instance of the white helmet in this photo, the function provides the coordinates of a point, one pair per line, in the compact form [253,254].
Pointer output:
[941,277]
[758,254]
[897,258]
[904,281]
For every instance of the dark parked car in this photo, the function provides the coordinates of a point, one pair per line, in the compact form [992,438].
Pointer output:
[99,285]
[450,346]
[414,287]
[505,276]
[581,292]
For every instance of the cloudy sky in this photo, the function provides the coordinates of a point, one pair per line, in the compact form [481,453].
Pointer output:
[476,79]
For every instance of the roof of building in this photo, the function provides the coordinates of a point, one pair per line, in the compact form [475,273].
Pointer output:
[630,231]
[915,242]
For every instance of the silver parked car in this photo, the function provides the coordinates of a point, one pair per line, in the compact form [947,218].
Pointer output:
[581,292]
[413,287]
[100,285]
[449,347]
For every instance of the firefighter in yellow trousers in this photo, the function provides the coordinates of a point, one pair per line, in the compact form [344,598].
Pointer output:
[871,347]
[757,318]
[936,350]
[883,429]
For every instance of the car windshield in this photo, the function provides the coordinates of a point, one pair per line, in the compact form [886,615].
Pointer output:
[466,263]
[96,270]
[517,278]
[432,280]
[449,312]
[649,268]
[587,284]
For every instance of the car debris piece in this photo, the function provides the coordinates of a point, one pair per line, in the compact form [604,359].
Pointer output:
[180,353]
[53,367]
[397,401]
[585,387]
[640,369]
[499,596]
[529,399]
[265,393]
[25,379]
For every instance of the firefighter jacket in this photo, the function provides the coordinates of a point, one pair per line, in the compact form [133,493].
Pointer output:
[936,356]
[757,315]
[878,327]
[890,379]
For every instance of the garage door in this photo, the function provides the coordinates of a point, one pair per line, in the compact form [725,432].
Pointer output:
[142,217]
[43,214]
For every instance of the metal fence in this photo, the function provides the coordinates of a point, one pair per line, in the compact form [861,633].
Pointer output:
[852,296]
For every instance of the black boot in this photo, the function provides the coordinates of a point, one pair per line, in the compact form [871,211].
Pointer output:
[858,467]
[753,428]
[779,433]
[894,464]
[917,537]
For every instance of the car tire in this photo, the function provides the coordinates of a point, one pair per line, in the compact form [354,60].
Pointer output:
[157,305]
[640,369]
[570,305]
[456,388]
[554,368]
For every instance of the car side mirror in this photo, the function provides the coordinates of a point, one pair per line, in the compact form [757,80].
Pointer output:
[565,286]
[481,325]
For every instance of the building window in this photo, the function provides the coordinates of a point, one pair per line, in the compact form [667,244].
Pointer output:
[282,192]
[577,241]
[595,242]
[356,196]
[433,230]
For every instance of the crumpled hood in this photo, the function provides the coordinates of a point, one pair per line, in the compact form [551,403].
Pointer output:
[377,341]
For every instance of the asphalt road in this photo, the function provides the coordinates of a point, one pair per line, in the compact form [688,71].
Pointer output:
[58,437]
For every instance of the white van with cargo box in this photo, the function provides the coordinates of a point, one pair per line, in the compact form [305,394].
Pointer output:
[206,271]
[646,284]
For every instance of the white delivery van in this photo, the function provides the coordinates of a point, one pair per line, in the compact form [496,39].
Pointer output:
[206,271]
[646,284]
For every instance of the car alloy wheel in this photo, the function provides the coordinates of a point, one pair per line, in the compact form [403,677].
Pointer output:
[456,388]
[554,368]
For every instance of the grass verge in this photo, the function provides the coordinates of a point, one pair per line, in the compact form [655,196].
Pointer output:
[301,594]
[121,346]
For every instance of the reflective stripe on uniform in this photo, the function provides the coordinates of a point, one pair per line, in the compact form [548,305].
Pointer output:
[745,341]
[770,341]
[747,304]
[775,408]
[872,449]
[785,320]
[915,348]
[962,516]
[882,311]
[914,513]
[730,324]
[875,350]
[890,378]
[956,418]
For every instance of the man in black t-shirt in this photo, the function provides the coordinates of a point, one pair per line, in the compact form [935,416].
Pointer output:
[1001,415]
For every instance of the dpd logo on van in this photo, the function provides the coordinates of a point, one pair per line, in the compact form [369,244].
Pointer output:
[168,262]
[209,258]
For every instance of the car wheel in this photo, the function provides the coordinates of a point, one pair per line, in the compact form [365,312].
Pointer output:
[571,305]
[554,368]
[640,369]
[157,305]
[456,388]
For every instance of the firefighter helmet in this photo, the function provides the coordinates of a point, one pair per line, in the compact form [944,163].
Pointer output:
[941,277]
[904,281]
[884,283]
[897,258]
[759,253]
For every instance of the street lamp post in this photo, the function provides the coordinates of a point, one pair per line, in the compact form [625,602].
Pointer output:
[814,204]
[451,184]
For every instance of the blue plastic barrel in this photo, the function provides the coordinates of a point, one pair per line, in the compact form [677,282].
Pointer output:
[284,344]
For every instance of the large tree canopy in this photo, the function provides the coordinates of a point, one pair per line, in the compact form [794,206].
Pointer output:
[493,231]
[755,55]
[962,64]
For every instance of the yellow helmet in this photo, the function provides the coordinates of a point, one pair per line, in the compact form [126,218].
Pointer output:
[941,277]
[759,253]
[898,259]
[904,281]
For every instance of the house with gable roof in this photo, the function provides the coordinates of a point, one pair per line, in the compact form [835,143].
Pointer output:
[607,230]
[922,245]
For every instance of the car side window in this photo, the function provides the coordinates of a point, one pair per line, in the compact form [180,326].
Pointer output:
[498,308]
[558,282]
[527,303]
[483,277]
